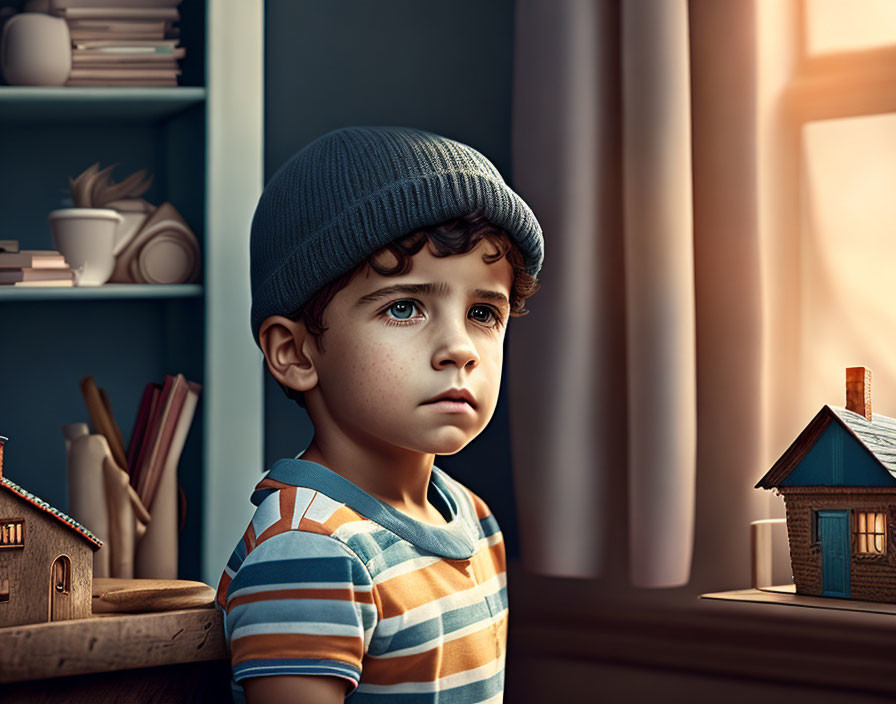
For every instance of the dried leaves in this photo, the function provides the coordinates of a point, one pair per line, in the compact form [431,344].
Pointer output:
[95,188]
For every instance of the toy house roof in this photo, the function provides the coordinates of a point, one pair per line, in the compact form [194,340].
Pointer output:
[70,522]
[878,436]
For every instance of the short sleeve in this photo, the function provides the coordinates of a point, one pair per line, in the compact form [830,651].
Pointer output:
[300,604]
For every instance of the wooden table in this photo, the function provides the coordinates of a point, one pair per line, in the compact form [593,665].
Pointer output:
[172,656]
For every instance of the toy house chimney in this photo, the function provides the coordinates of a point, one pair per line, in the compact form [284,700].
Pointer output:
[858,391]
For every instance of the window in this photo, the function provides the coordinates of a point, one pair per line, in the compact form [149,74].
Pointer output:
[4,585]
[12,533]
[827,86]
[871,533]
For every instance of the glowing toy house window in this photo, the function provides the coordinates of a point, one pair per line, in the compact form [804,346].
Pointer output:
[871,533]
[12,533]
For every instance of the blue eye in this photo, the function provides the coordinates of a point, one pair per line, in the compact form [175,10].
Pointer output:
[402,310]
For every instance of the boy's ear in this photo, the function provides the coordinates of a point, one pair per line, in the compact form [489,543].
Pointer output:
[286,345]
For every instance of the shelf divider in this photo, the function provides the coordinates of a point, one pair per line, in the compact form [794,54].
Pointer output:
[92,104]
[11,294]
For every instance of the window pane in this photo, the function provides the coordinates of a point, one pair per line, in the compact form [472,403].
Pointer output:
[848,257]
[844,25]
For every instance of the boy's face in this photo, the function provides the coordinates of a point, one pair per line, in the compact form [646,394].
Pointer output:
[387,353]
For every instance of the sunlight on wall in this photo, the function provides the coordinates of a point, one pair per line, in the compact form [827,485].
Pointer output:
[844,25]
[848,257]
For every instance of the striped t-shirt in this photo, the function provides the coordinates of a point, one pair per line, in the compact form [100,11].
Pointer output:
[328,580]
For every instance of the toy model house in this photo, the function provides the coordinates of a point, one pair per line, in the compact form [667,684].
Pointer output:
[838,480]
[46,559]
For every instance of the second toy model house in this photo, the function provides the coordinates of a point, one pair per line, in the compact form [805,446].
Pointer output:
[46,559]
[838,480]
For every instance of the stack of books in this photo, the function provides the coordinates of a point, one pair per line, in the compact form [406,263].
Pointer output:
[122,42]
[163,421]
[34,267]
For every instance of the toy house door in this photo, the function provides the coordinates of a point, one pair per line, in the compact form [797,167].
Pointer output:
[61,608]
[833,533]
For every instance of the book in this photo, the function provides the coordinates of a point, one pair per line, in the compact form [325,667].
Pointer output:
[156,82]
[50,283]
[143,410]
[152,430]
[148,403]
[157,458]
[136,43]
[136,26]
[118,36]
[131,66]
[50,5]
[33,258]
[119,73]
[11,276]
[127,53]
[117,13]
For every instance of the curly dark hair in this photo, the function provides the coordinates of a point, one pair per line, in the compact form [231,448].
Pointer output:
[457,236]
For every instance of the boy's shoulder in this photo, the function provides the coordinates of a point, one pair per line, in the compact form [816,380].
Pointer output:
[282,507]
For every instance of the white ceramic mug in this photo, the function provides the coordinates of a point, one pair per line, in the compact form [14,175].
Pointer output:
[35,50]
[86,238]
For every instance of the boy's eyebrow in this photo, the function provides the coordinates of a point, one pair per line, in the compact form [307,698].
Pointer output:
[428,289]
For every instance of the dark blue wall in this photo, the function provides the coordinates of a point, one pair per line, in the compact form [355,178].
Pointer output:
[443,67]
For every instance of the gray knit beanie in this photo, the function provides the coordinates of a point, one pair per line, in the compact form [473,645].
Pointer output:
[352,191]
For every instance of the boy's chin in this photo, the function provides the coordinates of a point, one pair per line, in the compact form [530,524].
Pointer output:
[449,448]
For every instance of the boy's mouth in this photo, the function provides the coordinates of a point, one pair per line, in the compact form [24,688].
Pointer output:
[455,395]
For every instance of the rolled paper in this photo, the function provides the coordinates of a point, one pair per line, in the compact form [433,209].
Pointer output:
[87,492]
[179,242]
[122,521]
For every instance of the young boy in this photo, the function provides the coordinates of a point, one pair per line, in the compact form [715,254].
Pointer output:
[385,264]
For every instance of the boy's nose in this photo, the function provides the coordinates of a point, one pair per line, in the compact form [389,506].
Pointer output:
[455,348]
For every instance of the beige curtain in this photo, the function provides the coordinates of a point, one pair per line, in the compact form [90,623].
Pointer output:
[634,382]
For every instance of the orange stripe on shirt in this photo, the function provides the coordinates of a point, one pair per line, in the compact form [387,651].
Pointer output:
[346,594]
[297,645]
[458,655]
[412,589]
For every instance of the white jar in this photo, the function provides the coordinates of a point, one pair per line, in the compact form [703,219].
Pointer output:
[35,50]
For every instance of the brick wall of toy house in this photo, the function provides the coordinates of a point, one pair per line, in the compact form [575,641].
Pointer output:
[28,568]
[871,577]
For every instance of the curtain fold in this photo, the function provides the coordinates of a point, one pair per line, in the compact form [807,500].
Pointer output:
[567,385]
[628,336]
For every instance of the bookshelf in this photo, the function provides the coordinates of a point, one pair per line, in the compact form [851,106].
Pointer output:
[202,142]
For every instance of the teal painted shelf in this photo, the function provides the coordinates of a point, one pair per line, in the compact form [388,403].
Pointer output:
[9,294]
[95,104]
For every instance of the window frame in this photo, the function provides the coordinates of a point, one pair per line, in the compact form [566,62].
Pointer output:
[19,543]
[869,534]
